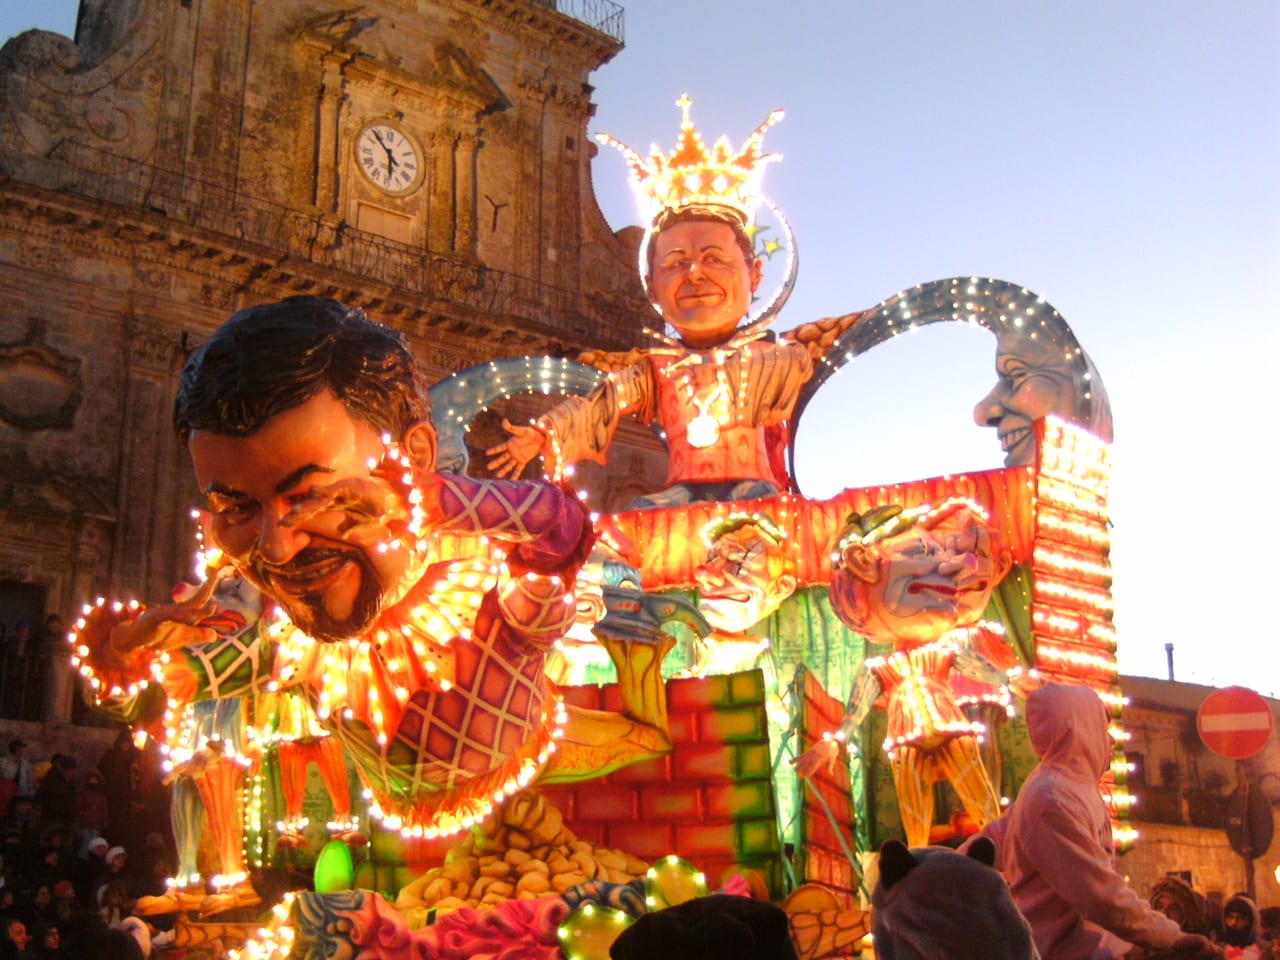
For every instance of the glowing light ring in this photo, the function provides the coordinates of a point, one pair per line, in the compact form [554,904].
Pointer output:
[984,301]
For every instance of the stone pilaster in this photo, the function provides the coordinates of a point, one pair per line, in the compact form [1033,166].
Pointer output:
[443,189]
[331,98]
[465,217]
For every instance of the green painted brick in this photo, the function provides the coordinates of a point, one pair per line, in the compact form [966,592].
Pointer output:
[757,837]
[747,687]
[747,798]
[752,761]
[770,868]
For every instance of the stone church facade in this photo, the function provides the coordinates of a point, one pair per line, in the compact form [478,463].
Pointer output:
[182,159]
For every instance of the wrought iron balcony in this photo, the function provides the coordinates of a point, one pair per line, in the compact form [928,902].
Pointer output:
[602,15]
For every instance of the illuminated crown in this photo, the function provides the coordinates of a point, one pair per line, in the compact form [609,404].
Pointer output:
[694,176]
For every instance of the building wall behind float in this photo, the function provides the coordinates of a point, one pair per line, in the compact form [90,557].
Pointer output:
[1182,790]
[177,167]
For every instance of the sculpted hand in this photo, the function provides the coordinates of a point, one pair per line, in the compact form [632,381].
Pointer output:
[1025,682]
[510,458]
[158,628]
[821,756]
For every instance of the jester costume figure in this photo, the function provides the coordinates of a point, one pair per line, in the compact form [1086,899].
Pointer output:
[723,389]
[919,579]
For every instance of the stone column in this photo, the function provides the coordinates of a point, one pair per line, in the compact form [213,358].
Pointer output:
[465,222]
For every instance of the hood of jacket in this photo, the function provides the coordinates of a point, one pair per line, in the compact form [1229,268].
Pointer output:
[1247,935]
[1069,728]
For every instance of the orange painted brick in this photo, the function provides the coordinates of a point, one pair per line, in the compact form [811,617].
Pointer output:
[818,830]
[589,697]
[697,693]
[695,840]
[718,870]
[700,761]
[682,727]
[647,771]
[563,798]
[432,851]
[734,724]
[611,698]
[670,803]
[603,802]
[595,834]
[648,841]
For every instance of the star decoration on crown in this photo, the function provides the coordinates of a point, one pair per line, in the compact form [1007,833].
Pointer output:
[692,175]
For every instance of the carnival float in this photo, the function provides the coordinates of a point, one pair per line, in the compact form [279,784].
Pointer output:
[555,721]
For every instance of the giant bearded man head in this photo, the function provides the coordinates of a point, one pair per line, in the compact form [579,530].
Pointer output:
[284,400]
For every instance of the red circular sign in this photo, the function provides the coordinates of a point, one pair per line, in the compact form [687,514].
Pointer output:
[1235,722]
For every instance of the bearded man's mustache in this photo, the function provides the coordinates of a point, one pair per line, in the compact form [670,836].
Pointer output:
[303,559]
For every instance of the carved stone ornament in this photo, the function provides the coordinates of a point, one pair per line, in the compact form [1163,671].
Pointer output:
[48,97]
[39,388]
[33,495]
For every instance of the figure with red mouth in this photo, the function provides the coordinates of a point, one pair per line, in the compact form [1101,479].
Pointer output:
[918,579]
[746,576]
[417,606]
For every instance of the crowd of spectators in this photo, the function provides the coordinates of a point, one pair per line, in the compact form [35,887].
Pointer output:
[1244,931]
[77,848]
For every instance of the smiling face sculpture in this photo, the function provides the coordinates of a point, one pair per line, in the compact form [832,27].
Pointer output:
[330,582]
[701,281]
[1041,371]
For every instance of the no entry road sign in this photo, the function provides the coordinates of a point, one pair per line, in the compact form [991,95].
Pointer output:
[1235,722]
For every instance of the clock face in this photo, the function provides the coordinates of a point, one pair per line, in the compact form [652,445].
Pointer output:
[388,159]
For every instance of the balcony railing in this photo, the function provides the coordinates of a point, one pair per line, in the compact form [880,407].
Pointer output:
[602,15]
[120,181]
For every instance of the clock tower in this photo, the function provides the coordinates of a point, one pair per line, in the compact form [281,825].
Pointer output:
[181,159]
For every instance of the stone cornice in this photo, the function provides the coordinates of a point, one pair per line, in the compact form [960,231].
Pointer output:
[544,22]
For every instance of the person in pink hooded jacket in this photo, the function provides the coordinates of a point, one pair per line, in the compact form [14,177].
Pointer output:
[1054,843]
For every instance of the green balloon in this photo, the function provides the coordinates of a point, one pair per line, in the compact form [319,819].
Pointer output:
[335,870]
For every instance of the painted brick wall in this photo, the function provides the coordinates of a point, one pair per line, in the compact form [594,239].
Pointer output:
[825,829]
[710,800]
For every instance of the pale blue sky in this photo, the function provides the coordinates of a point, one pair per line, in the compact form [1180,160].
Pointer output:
[1120,159]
